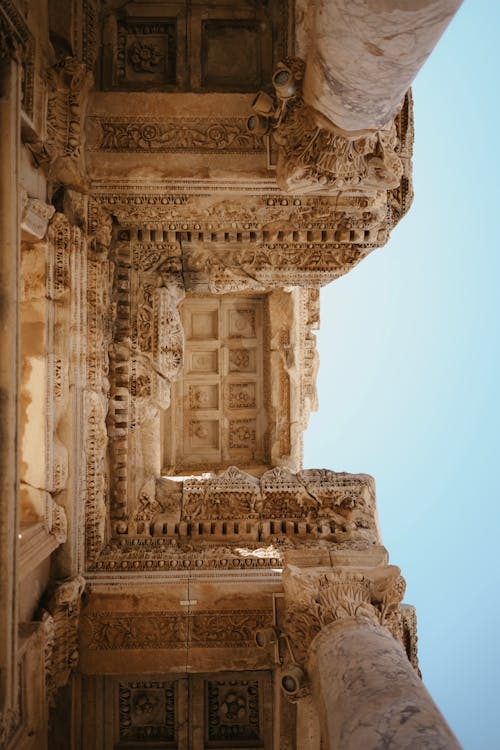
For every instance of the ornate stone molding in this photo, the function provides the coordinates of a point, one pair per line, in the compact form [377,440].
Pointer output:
[60,621]
[235,521]
[173,630]
[61,153]
[198,135]
[55,520]
[344,502]
[16,41]
[146,355]
[229,236]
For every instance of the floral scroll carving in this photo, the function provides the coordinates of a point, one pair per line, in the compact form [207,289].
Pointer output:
[173,630]
[177,135]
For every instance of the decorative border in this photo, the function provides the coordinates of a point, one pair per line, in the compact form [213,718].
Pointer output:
[196,135]
[166,629]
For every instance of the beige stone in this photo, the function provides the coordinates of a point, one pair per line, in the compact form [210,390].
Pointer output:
[177,182]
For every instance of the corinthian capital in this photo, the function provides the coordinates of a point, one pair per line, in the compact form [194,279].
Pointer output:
[317,597]
[315,154]
[343,594]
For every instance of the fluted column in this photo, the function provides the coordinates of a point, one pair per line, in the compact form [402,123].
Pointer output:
[362,56]
[345,627]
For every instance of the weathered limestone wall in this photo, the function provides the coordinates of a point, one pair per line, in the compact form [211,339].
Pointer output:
[9,388]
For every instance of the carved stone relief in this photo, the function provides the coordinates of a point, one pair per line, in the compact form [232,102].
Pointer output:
[227,135]
[236,521]
[60,153]
[147,711]
[218,408]
[317,597]
[234,709]
[173,630]
[146,354]
[261,240]
[221,710]
[190,46]
[60,621]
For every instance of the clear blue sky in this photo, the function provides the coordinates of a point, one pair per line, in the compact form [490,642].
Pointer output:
[409,377]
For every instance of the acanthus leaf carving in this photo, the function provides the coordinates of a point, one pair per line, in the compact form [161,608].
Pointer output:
[318,597]
[60,620]
[315,155]
[61,153]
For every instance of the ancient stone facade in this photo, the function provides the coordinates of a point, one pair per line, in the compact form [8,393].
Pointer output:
[178,180]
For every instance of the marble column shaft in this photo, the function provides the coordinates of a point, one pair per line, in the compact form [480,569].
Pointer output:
[364,54]
[368,695]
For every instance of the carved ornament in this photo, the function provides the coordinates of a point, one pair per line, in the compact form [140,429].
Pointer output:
[235,521]
[318,597]
[175,630]
[35,218]
[315,155]
[17,42]
[61,153]
[147,711]
[195,135]
[60,620]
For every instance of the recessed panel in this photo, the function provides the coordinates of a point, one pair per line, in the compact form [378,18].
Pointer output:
[218,412]
[147,713]
[234,713]
[241,323]
[146,54]
[203,397]
[231,55]
[203,324]
[242,360]
[203,362]
[242,434]
[203,434]
[242,396]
